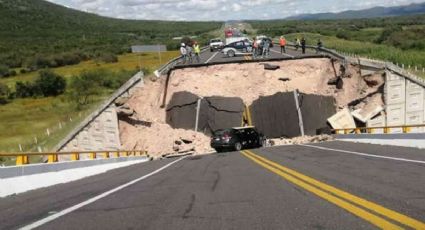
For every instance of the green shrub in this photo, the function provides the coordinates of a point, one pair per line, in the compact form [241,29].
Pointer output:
[83,87]
[50,83]
[108,58]
[47,84]
[4,93]
[4,71]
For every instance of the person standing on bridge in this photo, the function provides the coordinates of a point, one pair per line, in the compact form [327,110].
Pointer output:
[197,51]
[282,43]
[266,48]
[303,45]
[254,48]
[297,43]
[183,53]
[189,52]
[319,45]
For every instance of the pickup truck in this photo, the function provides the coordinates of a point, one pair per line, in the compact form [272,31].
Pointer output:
[216,44]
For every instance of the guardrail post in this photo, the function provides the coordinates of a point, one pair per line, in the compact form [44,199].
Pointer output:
[117,154]
[75,157]
[20,160]
[370,130]
[52,158]
[106,155]
[346,131]
[406,129]
[387,130]
[92,156]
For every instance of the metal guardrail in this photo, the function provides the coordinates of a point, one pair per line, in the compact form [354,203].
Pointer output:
[22,158]
[175,61]
[371,130]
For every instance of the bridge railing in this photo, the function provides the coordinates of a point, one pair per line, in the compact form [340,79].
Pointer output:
[371,130]
[22,158]
[173,62]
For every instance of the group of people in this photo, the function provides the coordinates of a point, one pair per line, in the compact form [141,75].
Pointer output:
[298,43]
[260,48]
[189,52]
[302,43]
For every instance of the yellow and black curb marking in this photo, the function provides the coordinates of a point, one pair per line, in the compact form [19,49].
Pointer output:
[246,116]
[374,213]
[247,57]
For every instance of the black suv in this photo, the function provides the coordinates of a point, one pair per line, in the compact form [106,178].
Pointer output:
[237,139]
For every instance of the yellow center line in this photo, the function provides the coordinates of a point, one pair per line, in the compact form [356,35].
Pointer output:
[298,178]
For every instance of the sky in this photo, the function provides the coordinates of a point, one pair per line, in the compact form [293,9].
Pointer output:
[219,10]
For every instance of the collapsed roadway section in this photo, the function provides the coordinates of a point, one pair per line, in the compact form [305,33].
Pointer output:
[283,98]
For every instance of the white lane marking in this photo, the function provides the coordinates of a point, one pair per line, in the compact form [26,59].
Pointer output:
[365,154]
[209,59]
[282,53]
[91,200]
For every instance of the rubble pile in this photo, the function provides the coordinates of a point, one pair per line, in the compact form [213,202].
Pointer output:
[300,140]
[143,121]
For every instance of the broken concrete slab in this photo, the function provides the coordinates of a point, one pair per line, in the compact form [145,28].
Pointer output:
[127,112]
[366,113]
[315,110]
[342,120]
[121,101]
[271,67]
[284,79]
[276,116]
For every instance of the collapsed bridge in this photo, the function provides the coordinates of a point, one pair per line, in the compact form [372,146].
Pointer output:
[178,112]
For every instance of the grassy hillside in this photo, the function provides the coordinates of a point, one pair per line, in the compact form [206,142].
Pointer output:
[374,12]
[31,29]
[24,119]
[396,39]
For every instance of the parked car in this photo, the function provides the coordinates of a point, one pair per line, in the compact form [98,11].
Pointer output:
[237,138]
[236,39]
[216,44]
[237,48]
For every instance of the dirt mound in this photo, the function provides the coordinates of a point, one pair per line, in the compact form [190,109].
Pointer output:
[247,81]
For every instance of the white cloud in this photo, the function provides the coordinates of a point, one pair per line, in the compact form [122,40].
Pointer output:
[219,10]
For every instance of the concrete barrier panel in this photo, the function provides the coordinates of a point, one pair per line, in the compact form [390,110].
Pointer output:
[379,121]
[415,100]
[395,92]
[390,76]
[396,114]
[415,118]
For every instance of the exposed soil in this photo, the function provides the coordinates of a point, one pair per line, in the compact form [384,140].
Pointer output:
[247,81]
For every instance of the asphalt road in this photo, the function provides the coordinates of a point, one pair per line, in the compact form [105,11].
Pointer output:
[285,187]
[216,56]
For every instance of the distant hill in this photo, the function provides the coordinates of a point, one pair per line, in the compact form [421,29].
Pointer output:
[367,13]
[31,28]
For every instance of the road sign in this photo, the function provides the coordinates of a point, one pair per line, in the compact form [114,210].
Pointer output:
[148,48]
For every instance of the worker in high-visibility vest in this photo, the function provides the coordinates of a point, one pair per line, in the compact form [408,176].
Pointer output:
[197,51]
[282,43]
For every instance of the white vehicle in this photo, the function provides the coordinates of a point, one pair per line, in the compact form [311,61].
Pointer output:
[236,39]
[216,44]
[237,48]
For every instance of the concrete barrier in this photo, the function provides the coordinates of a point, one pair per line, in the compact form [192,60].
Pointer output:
[25,170]
[25,178]
[415,140]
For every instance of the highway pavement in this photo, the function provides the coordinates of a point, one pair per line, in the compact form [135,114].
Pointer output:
[217,56]
[332,185]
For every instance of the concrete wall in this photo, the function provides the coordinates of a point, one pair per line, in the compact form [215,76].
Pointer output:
[415,140]
[405,101]
[100,131]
